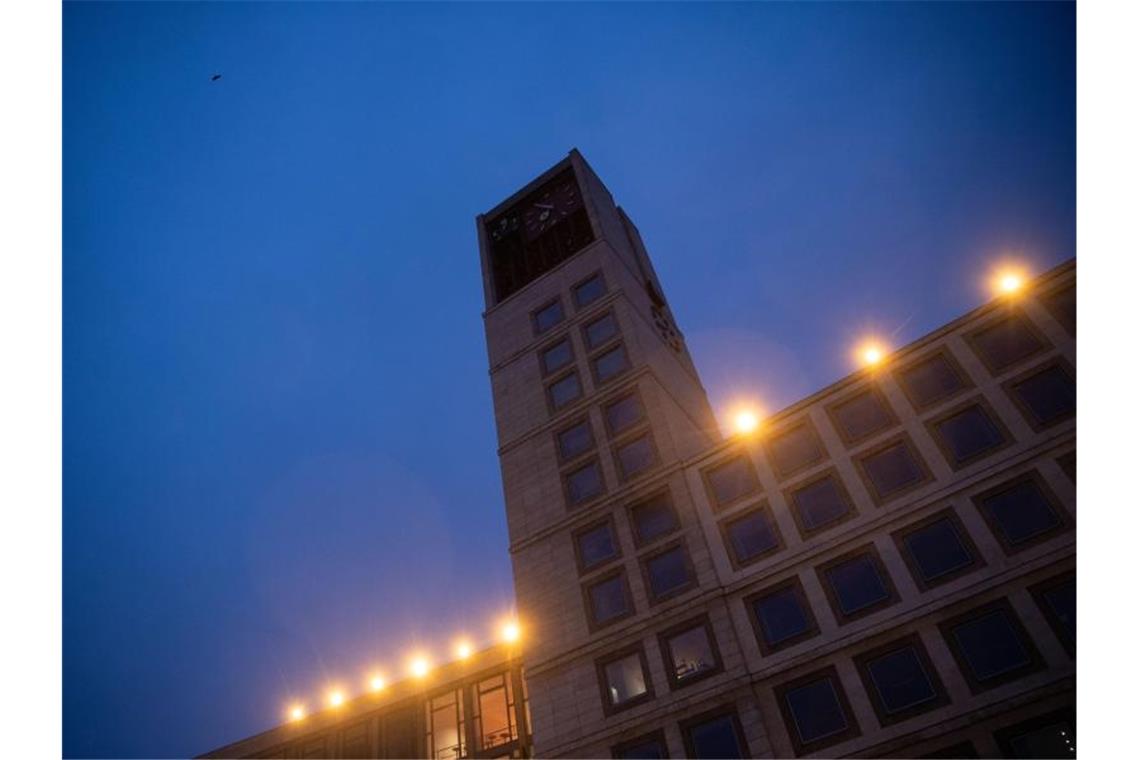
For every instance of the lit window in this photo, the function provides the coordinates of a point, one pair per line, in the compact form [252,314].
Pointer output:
[556,357]
[968,434]
[892,470]
[589,290]
[690,652]
[751,536]
[623,414]
[991,645]
[1047,396]
[1020,512]
[714,736]
[820,504]
[548,316]
[636,456]
[668,572]
[575,440]
[1006,342]
[857,585]
[900,680]
[795,449]
[495,723]
[444,723]
[731,480]
[564,391]
[600,331]
[862,416]
[608,599]
[610,364]
[816,710]
[653,518]
[625,682]
[782,616]
[596,546]
[932,380]
[937,550]
[584,483]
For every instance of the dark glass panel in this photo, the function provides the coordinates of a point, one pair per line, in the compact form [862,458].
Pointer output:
[624,413]
[548,316]
[795,449]
[857,584]
[715,738]
[575,440]
[732,480]
[601,330]
[565,391]
[611,364]
[596,546]
[556,357]
[931,380]
[991,646]
[589,291]
[862,416]
[608,599]
[637,456]
[816,710]
[781,616]
[1050,395]
[752,536]
[1006,343]
[668,572]
[937,549]
[969,433]
[820,503]
[893,469]
[1021,512]
[654,518]
[584,483]
[901,680]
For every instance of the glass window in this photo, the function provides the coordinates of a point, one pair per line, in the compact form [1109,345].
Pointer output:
[589,291]
[610,364]
[596,546]
[931,380]
[608,599]
[937,550]
[732,480]
[690,653]
[782,616]
[495,723]
[623,413]
[1020,512]
[862,416]
[1068,464]
[400,732]
[957,751]
[1058,600]
[548,316]
[557,356]
[653,518]
[584,483]
[444,722]
[1050,735]
[795,449]
[575,440]
[650,747]
[600,330]
[968,434]
[565,391]
[892,470]
[1006,342]
[815,709]
[668,572]
[716,737]
[625,680]
[990,645]
[901,681]
[1062,304]
[751,536]
[636,456]
[821,503]
[857,585]
[1049,396]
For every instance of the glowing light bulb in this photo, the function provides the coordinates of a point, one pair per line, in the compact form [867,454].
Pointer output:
[1010,283]
[510,632]
[377,683]
[745,421]
[463,650]
[296,712]
[870,353]
[336,698]
[419,667]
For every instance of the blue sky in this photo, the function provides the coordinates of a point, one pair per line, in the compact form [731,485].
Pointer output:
[279,452]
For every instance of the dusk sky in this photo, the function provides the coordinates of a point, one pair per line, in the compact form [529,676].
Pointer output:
[280,462]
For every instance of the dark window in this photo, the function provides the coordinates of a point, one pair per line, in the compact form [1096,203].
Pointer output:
[600,330]
[900,680]
[636,456]
[820,504]
[1020,512]
[990,645]
[892,470]
[1057,598]
[668,572]
[862,416]
[857,585]
[623,413]
[610,364]
[751,536]
[731,481]
[1062,304]
[794,450]
[959,750]
[1068,464]
[584,483]
[495,723]
[782,616]
[1006,342]
[608,599]
[596,545]
[548,316]
[968,434]
[932,380]
[399,733]
[1052,735]
[356,742]
[653,518]
[714,737]
[816,711]
[590,290]
[564,391]
[937,550]
[557,356]
[1047,397]
[649,747]
[624,680]
[690,652]
[575,440]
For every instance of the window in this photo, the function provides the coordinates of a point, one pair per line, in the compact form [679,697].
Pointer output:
[820,503]
[564,391]
[1057,598]
[1006,342]
[1020,512]
[444,724]
[1051,735]
[623,414]
[794,449]
[751,536]
[730,481]
[584,483]
[624,680]
[636,456]
[356,742]
[548,316]
[932,380]
[400,732]
[653,518]
[990,645]
[1047,396]
[714,735]
[648,747]
[608,599]
[816,711]
[609,364]
[781,616]
[690,652]
[668,572]
[595,545]
[1062,304]
[968,434]
[598,332]
[589,290]
[554,358]
[495,722]
[937,550]
[861,416]
[1068,464]
[857,584]
[575,440]
[892,469]
[959,750]
[900,680]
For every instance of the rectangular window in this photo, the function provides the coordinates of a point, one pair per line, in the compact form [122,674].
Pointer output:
[1021,512]
[609,364]
[548,316]
[781,616]
[584,483]
[892,469]
[819,504]
[623,414]
[653,518]
[900,680]
[857,584]
[990,645]
[651,746]
[751,536]
[937,549]
[595,545]
[575,440]
[1046,397]
[495,722]
[400,732]
[607,599]
[555,357]
[668,572]
[794,449]
[589,290]
[356,742]
[1062,304]
[599,332]
[1068,464]
[1057,598]
[715,734]
[690,652]
[731,481]
[932,380]
[635,456]
[564,391]
[1051,735]
[444,724]
[861,416]
[1006,342]
[968,433]
[816,711]
[624,680]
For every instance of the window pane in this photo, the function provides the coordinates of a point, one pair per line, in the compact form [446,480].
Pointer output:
[653,519]
[556,357]
[610,364]
[548,316]
[1061,601]
[715,738]
[691,653]
[893,469]
[596,545]
[636,457]
[781,616]
[794,450]
[901,680]
[969,433]
[608,599]
[752,536]
[862,416]
[1053,740]
[990,645]
[496,723]
[1063,305]
[575,440]
[1021,512]
[624,679]
[584,483]
[444,726]
[816,710]
[565,391]
[650,749]
[624,413]
[601,330]
[668,572]
[732,480]
[1006,343]
[857,584]
[589,291]
[938,550]
[820,503]
[1050,395]
[931,381]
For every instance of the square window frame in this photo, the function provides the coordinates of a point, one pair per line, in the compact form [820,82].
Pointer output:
[656,735]
[803,748]
[949,513]
[1038,591]
[1058,362]
[793,582]
[1005,736]
[631,391]
[657,551]
[591,622]
[553,380]
[1065,521]
[667,657]
[1010,312]
[633,505]
[594,320]
[722,711]
[982,403]
[1068,464]
[877,393]
[802,422]
[862,664]
[1046,299]
[947,355]
[536,331]
[866,550]
[618,345]
[582,281]
[627,438]
[744,454]
[608,708]
[541,351]
[608,520]
[567,426]
[793,506]
[579,465]
[859,459]
[946,628]
[725,525]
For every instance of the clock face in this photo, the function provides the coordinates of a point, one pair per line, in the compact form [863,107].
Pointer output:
[549,206]
[505,226]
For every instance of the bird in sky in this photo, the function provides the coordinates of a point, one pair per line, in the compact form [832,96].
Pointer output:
[215,78]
